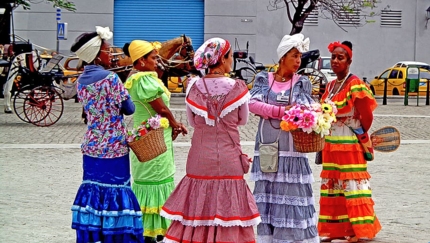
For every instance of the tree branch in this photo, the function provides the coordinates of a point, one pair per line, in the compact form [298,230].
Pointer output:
[288,11]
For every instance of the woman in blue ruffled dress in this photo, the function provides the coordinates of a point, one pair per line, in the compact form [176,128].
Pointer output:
[283,193]
[105,209]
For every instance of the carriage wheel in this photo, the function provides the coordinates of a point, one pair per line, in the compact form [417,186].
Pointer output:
[43,106]
[318,80]
[247,74]
[18,103]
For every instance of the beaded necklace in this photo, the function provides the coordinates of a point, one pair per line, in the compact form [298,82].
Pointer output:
[342,82]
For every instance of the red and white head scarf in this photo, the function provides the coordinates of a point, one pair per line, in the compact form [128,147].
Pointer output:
[210,52]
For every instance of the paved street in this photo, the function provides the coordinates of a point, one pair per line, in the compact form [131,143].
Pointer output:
[41,169]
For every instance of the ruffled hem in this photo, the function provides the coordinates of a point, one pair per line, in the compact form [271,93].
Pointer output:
[152,197]
[106,201]
[99,236]
[179,233]
[368,230]
[211,202]
[290,170]
[284,216]
[355,89]
[269,233]
[269,238]
[324,200]
[109,210]
[293,194]
[333,174]
[284,199]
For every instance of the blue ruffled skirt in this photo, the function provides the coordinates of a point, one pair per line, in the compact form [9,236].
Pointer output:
[105,209]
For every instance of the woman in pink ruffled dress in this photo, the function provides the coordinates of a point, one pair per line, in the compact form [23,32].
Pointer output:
[213,202]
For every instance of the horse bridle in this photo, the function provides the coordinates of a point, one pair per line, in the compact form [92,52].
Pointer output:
[188,58]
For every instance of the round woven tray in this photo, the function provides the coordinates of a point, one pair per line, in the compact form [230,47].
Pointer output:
[149,146]
[307,142]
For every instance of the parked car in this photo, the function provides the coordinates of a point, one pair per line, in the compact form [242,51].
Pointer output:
[396,79]
[412,63]
[323,64]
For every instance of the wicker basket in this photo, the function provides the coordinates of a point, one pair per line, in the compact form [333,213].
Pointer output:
[149,145]
[307,142]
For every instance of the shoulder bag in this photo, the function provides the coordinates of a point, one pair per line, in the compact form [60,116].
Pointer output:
[269,152]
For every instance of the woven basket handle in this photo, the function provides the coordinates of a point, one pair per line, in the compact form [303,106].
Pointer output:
[138,101]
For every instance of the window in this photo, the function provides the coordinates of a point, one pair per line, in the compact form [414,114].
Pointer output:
[348,17]
[391,18]
[312,19]
[384,74]
[401,75]
[394,73]
[325,63]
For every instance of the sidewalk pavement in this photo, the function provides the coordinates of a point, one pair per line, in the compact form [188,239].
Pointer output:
[41,170]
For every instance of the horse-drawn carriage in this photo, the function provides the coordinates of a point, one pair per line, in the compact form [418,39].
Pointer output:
[37,92]
[29,87]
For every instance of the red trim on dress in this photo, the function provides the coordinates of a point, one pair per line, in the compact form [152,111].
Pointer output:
[186,241]
[215,177]
[236,99]
[212,217]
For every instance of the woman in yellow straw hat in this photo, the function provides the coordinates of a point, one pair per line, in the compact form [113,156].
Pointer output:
[153,180]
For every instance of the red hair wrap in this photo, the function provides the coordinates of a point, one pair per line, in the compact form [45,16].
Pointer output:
[333,46]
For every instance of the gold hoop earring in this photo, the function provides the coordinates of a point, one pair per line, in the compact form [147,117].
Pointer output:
[142,64]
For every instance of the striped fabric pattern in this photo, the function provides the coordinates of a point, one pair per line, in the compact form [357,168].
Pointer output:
[346,205]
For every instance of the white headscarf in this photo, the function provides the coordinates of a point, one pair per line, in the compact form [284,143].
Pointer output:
[290,41]
[89,50]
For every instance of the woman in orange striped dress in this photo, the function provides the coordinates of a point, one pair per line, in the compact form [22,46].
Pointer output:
[346,205]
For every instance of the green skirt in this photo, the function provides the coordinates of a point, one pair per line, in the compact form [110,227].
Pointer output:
[151,197]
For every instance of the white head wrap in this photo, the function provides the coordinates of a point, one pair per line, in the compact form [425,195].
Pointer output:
[89,50]
[290,41]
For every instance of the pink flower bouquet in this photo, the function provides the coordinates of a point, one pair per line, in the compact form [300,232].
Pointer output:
[146,126]
[313,118]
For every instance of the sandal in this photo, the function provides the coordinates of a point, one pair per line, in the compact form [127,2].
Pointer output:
[330,239]
[351,238]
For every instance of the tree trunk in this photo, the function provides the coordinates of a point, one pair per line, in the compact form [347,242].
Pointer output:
[297,28]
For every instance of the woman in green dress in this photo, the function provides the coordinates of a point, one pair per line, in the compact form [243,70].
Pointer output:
[152,180]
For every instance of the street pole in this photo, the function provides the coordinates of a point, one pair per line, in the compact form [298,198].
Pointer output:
[384,98]
[58,18]
[427,92]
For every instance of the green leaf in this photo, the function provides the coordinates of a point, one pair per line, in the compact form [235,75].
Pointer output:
[64,4]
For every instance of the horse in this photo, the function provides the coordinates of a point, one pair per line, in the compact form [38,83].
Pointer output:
[176,59]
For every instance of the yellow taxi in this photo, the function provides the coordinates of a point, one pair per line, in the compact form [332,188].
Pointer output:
[177,84]
[396,79]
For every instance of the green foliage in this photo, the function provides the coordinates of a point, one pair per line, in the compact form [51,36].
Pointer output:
[64,4]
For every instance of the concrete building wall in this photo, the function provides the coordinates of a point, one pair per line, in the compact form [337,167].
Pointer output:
[39,24]
[375,47]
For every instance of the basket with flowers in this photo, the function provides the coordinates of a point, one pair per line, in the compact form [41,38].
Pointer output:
[309,124]
[147,140]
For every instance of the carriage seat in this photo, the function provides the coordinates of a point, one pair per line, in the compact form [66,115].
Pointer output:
[4,63]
